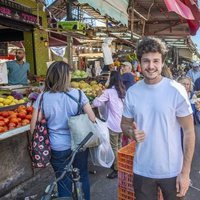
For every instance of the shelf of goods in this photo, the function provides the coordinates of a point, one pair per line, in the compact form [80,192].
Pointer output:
[125,173]
[90,88]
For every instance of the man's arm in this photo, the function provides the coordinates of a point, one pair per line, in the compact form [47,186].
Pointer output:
[127,127]
[183,180]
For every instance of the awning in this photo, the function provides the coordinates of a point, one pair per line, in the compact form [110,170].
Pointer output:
[180,8]
[187,9]
[56,39]
[193,24]
[116,9]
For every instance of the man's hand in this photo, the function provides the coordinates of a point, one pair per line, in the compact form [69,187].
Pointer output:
[182,184]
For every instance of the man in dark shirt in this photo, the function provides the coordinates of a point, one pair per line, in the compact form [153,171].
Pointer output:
[127,76]
[197,85]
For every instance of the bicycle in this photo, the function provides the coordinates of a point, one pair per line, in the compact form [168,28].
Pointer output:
[77,193]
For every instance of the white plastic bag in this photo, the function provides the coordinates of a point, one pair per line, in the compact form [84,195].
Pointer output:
[102,155]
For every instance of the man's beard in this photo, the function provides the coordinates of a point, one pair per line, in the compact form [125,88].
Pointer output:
[19,58]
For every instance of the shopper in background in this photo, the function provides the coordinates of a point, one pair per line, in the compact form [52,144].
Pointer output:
[160,107]
[166,72]
[127,76]
[187,83]
[113,97]
[18,70]
[197,85]
[194,72]
[58,108]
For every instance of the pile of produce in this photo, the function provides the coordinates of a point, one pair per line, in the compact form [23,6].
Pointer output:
[12,100]
[90,89]
[79,74]
[16,118]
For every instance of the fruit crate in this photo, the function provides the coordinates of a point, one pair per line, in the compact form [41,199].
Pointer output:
[125,181]
[123,194]
[125,158]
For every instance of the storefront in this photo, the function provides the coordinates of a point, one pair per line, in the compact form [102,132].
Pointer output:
[19,29]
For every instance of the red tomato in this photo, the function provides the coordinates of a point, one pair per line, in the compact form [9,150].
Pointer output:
[25,122]
[28,117]
[29,109]
[14,120]
[1,118]
[14,115]
[21,115]
[6,120]
[5,114]
[11,124]
[2,123]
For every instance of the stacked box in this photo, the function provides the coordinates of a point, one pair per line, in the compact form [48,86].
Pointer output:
[125,173]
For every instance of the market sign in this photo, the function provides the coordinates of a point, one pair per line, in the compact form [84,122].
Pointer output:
[18,15]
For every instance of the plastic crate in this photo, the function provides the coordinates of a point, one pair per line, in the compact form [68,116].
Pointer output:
[125,158]
[123,194]
[125,181]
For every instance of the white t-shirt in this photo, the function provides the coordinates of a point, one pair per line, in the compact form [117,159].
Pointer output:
[155,109]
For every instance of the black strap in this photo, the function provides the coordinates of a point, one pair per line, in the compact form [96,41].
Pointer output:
[80,109]
[40,107]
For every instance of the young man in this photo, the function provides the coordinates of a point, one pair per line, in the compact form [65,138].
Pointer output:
[160,108]
[18,69]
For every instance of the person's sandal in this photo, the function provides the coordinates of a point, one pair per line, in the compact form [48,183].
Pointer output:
[113,174]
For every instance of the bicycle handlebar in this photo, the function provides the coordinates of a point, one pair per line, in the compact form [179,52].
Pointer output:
[50,188]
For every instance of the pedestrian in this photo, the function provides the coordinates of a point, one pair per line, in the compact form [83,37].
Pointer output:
[58,108]
[197,84]
[113,97]
[160,107]
[18,70]
[166,72]
[127,76]
[194,72]
[187,83]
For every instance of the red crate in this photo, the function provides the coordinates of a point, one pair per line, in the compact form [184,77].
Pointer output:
[125,181]
[125,158]
[123,194]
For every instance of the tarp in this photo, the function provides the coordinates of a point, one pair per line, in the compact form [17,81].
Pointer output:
[180,8]
[116,9]
[193,24]
[189,10]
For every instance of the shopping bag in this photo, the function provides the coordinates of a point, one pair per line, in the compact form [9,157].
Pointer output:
[102,155]
[80,125]
[40,149]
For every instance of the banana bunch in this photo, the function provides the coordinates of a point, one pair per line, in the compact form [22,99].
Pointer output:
[131,57]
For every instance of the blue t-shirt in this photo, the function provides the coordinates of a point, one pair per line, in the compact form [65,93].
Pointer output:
[58,107]
[128,80]
[17,73]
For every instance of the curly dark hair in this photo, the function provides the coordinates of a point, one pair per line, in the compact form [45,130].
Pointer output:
[116,81]
[151,44]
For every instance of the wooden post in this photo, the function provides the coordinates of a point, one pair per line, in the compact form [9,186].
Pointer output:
[70,50]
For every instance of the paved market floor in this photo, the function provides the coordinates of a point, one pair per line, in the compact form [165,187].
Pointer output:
[106,189]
